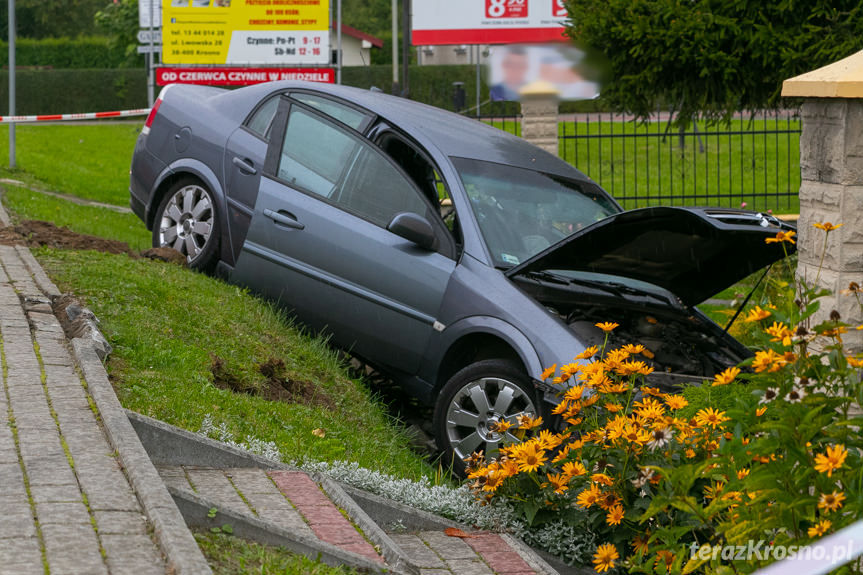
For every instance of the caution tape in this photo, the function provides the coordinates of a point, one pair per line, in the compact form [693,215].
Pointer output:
[71,117]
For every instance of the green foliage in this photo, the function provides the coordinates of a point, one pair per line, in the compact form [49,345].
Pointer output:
[66,91]
[87,52]
[51,18]
[711,56]
[120,21]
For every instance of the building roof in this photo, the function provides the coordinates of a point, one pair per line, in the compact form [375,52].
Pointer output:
[360,35]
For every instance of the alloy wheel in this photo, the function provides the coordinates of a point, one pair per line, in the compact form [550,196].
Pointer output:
[187,221]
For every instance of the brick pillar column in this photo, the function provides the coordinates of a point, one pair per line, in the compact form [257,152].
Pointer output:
[539,115]
[831,187]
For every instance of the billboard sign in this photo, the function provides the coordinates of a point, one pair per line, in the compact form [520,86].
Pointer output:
[513,67]
[147,8]
[292,32]
[487,21]
[228,76]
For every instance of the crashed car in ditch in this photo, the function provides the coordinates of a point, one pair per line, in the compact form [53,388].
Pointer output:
[454,257]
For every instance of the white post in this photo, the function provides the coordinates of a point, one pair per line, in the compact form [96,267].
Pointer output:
[151,96]
[11,21]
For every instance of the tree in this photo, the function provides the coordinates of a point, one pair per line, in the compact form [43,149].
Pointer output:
[51,18]
[711,56]
[120,21]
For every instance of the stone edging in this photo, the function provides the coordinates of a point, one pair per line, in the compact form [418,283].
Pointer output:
[176,541]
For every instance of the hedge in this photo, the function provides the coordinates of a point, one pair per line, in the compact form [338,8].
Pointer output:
[50,91]
[86,52]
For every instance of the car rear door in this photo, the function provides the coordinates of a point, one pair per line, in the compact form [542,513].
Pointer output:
[318,241]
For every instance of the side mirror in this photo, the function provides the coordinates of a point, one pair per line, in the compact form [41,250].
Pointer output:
[413,228]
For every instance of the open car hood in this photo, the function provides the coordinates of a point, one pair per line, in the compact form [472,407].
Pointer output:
[692,252]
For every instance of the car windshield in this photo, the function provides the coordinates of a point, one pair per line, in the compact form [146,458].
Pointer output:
[522,212]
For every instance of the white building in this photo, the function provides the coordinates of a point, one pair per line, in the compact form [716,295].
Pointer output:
[356,46]
[452,55]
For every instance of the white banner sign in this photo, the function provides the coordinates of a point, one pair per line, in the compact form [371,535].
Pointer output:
[145,9]
[488,21]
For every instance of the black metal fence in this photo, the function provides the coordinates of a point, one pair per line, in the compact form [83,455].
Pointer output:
[751,162]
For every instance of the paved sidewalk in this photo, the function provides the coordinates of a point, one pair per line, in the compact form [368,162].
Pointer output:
[68,506]
[293,501]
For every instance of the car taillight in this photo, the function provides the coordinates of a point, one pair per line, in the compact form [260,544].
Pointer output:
[151,116]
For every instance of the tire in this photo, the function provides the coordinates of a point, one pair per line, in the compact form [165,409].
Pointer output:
[187,221]
[461,421]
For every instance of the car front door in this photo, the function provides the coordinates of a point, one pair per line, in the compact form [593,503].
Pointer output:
[318,241]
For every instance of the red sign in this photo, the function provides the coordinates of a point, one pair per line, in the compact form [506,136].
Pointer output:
[241,76]
[506,8]
[558,9]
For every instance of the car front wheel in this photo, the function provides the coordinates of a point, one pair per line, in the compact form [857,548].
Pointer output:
[473,401]
[186,222]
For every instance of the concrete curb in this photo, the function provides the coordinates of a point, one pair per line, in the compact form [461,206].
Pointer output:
[174,538]
[196,511]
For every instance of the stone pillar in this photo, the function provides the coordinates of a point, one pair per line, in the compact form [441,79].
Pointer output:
[539,115]
[831,188]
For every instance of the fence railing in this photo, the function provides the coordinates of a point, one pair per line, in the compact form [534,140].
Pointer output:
[753,161]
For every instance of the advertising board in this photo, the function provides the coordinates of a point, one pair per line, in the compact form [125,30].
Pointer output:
[440,22]
[287,32]
[236,76]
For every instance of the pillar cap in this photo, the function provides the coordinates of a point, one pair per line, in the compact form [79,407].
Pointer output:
[842,79]
[539,88]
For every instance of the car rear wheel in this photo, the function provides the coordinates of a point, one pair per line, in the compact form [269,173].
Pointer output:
[472,401]
[186,221]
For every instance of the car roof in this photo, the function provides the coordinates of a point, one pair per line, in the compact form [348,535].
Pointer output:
[453,134]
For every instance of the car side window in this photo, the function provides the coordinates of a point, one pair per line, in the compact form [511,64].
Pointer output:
[348,170]
[344,114]
[260,121]
[315,153]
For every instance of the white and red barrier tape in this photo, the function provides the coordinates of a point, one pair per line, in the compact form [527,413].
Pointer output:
[68,117]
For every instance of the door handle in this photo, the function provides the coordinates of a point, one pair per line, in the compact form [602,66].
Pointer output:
[245,165]
[284,218]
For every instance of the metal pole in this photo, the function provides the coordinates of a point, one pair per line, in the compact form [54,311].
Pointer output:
[11,22]
[395,42]
[406,40]
[477,80]
[339,42]
[151,96]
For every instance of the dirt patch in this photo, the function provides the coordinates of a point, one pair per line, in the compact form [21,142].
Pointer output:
[166,255]
[35,233]
[276,387]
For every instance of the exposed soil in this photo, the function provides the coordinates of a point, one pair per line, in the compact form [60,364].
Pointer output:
[277,386]
[35,233]
[167,255]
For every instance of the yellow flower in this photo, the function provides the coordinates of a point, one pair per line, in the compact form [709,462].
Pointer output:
[741,473]
[854,362]
[547,440]
[492,481]
[604,558]
[636,435]
[710,417]
[634,368]
[548,372]
[574,392]
[726,376]
[780,332]
[757,314]
[559,482]
[832,460]
[602,478]
[819,528]
[760,411]
[640,543]
[499,426]
[588,353]
[781,237]
[612,407]
[829,502]
[529,457]
[827,226]
[607,326]
[608,500]
[690,453]
[588,497]
[574,468]
[633,349]
[560,407]
[676,402]
[615,515]
[528,422]
[768,360]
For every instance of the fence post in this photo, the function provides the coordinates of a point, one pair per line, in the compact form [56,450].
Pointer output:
[539,111]
[831,186]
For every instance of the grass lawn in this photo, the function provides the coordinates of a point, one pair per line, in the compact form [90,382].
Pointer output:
[89,161]
[234,556]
